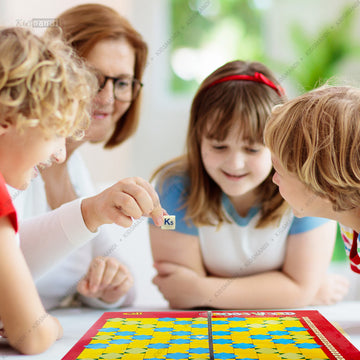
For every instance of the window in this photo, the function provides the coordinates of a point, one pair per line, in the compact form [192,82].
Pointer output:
[208,33]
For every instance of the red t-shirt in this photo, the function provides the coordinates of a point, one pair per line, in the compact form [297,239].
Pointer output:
[6,205]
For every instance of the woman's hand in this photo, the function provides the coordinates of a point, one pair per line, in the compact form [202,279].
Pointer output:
[107,279]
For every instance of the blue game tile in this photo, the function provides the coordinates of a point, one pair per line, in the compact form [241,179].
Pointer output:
[181,333]
[238,329]
[109,329]
[283,341]
[182,322]
[198,350]
[243,346]
[221,333]
[200,326]
[163,329]
[225,356]
[296,328]
[307,346]
[219,322]
[260,337]
[120,341]
[125,333]
[166,319]
[142,337]
[222,341]
[97,346]
[180,341]
[278,333]
[237,319]
[158,346]
[177,356]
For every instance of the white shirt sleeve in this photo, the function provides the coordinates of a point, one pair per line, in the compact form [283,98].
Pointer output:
[48,238]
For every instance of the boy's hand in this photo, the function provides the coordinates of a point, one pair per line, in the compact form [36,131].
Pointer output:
[126,200]
[107,279]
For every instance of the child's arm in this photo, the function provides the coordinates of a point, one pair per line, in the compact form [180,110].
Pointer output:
[28,327]
[295,285]
[177,248]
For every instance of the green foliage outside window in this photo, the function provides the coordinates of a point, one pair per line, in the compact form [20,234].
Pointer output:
[212,32]
[320,56]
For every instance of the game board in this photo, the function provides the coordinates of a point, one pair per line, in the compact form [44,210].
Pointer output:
[246,335]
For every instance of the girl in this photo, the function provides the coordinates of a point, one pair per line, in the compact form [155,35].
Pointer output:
[237,244]
[314,140]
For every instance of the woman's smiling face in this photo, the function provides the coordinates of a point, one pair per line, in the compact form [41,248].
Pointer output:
[112,58]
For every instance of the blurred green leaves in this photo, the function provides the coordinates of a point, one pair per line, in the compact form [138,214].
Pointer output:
[320,56]
[213,32]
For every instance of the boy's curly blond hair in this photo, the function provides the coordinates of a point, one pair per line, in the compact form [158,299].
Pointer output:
[43,83]
[316,137]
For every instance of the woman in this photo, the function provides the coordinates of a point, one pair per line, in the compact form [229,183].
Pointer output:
[117,55]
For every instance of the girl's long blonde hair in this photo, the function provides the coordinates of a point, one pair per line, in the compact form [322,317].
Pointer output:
[214,111]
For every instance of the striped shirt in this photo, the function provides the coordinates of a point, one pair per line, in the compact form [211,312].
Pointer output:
[351,241]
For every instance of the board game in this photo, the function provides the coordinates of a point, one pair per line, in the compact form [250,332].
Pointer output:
[246,335]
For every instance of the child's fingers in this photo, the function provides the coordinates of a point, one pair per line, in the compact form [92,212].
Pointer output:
[109,273]
[152,208]
[83,287]
[95,273]
[135,197]
[120,277]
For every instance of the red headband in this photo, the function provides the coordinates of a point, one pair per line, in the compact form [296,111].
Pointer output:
[257,77]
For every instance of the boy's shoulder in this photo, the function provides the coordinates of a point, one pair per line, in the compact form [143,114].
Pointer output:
[6,205]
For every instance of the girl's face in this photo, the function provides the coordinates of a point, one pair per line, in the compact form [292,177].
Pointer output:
[21,152]
[303,201]
[237,166]
[113,58]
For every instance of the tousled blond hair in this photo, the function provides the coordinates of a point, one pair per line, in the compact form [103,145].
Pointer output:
[43,83]
[215,110]
[316,137]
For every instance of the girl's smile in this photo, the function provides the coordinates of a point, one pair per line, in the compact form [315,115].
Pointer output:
[236,165]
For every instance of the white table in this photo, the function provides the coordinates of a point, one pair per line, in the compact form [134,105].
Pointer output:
[77,321]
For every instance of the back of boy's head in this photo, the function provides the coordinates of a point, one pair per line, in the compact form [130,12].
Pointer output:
[316,136]
[43,83]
